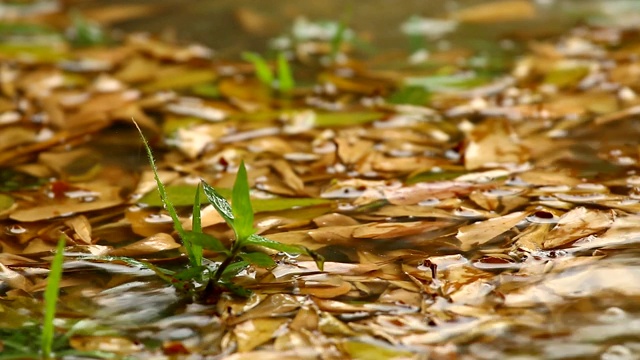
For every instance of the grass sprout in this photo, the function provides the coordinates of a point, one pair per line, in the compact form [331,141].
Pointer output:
[239,216]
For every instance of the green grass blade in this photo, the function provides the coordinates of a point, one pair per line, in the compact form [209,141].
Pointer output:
[196,225]
[221,204]
[241,205]
[263,71]
[291,249]
[193,258]
[51,299]
[285,75]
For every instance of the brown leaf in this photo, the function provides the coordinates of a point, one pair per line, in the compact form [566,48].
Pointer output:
[576,224]
[484,231]
[491,143]
[151,245]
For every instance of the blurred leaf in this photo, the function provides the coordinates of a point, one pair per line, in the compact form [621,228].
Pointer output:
[281,203]
[206,90]
[429,176]
[181,79]
[285,76]
[371,351]
[263,71]
[6,202]
[411,95]
[447,82]
[566,77]
[329,119]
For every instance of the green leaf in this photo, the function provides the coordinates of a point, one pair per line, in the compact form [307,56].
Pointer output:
[447,82]
[258,259]
[219,203]
[330,119]
[237,290]
[233,270]
[412,95]
[6,202]
[190,273]
[196,225]
[285,76]
[263,71]
[206,241]
[241,205]
[291,249]
[51,299]
[193,257]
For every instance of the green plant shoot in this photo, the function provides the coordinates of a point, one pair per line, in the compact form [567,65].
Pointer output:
[194,252]
[51,300]
[285,75]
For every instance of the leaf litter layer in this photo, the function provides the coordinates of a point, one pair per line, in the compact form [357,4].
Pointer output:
[461,213]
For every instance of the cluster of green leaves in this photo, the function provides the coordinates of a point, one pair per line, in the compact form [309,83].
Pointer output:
[285,82]
[240,255]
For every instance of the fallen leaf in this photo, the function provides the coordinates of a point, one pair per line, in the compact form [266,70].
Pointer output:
[482,232]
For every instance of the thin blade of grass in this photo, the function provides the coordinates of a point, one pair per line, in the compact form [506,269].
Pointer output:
[285,76]
[51,299]
[206,241]
[194,259]
[196,225]
[241,205]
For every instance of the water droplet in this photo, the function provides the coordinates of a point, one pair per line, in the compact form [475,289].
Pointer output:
[80,194]
[468,213]
[16,229]
[346,207]
[613,315]
[429,202]
[158,218]
[516,181]
[542,217]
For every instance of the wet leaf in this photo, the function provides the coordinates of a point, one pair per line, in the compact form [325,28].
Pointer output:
[484,231]
[496,11]
[493,143]
[150,245]
[578,223]
[255,332]
[374,350]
